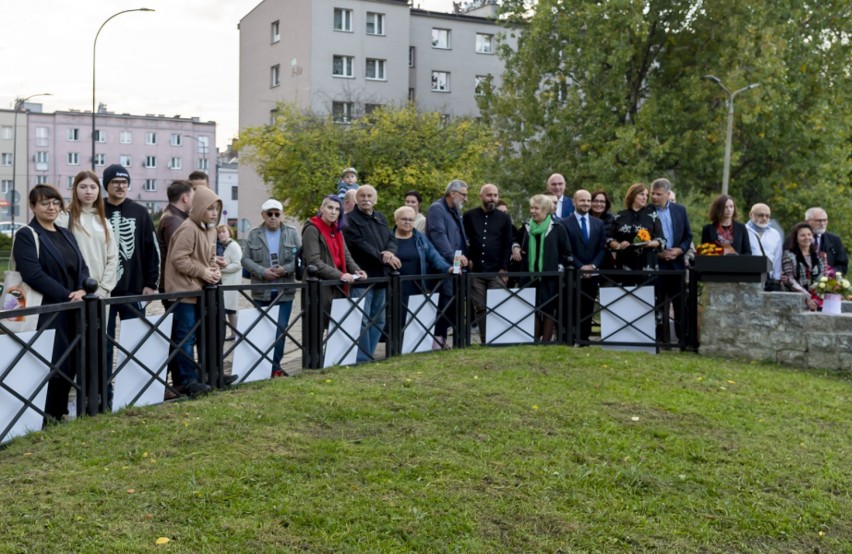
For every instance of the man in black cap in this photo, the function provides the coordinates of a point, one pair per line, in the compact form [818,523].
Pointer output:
[138,255]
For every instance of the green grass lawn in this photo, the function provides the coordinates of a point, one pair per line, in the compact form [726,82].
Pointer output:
[486,450]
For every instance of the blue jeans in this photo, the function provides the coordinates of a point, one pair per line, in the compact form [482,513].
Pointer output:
[373,321]
[185,316]
[284,310]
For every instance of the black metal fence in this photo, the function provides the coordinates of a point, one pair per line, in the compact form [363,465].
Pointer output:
[106,370]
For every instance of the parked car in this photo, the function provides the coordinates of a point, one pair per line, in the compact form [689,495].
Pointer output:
[6,227]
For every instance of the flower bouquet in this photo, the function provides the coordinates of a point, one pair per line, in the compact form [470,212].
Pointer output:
[709,249]
[642,237]
[833,284]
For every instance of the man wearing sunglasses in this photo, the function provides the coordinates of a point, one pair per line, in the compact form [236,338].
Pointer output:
[270,256]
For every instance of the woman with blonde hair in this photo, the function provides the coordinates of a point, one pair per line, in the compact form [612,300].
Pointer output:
[86,219]
[229,257]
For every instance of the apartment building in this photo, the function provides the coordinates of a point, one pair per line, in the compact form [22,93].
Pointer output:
[345,57]
[155,148]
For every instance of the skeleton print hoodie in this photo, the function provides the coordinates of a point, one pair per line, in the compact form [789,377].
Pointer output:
[138,253]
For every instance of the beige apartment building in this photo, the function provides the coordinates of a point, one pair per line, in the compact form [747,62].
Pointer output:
[346,57]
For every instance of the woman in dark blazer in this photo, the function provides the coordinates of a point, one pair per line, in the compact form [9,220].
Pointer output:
[544,246]
[57,270]
[731,235]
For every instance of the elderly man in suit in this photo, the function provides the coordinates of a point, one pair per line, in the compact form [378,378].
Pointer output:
[678,235]
[587,237]
[563,207]
[835,254]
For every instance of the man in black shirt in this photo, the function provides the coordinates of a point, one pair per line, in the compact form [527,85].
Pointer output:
[490,235]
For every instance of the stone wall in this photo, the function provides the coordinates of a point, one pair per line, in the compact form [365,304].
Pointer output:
[741,321]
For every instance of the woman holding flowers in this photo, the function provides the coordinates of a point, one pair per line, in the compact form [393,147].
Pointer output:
[723,230]
[636,233]
[801,264]
[544,246]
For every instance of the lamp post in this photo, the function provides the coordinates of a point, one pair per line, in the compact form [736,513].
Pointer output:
[94,53]
[202,148]
[726,172]
[18,105]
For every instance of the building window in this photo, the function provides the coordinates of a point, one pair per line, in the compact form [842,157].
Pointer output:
[41,179]
[74,135]
[100,136]
[124,160]
[375,23]
[176,139]
[235,193]
[204,164]
[440,38]
[6,132]
[41,161]
[342,20]
[411,56]
[150,138]
[150,185]
[151,207]
[6,186]
[6,159]
[341,112]
[151,161]
[125,137]
[440,81]
[376,69]
[42,137]
[484,43]
[274,76]
[176,163]
[73,158]
[100,159]
[69,182]
[276,31]
[370,108]
[203,143]
[343,66]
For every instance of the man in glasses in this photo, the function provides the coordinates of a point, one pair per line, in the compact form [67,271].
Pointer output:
[270,256]
[138,269]
[766,241]
[827,242]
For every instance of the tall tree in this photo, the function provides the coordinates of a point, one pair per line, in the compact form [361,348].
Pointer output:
[302,154]
[612,91]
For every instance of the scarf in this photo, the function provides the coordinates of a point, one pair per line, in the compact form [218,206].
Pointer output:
[536,257]
[333,240]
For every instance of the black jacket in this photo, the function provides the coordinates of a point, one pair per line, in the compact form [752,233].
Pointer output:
[367,236]
[138,253]
[834,252]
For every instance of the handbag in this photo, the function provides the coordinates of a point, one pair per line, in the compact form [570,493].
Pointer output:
[16,294]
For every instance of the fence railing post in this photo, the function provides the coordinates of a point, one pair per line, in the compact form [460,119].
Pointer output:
[312,326]
[570,319]
[395,319]
[94,360]
[692,310]
[459,323]
[210,355]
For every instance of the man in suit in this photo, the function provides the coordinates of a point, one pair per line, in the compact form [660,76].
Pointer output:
[563,206]
[587,237]
[678,236]
[826,242]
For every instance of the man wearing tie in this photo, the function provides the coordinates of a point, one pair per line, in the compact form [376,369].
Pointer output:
[678,235]
[586,235]
[826,242]
[556,187]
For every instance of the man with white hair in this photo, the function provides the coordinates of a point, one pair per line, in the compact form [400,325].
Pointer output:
[827,242]
[766,241]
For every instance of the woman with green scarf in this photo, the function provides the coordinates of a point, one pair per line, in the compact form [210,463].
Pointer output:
[544,247]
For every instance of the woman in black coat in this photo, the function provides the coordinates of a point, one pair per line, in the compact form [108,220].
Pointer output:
[544,246]
[731,235]
[624,235]
[56,269]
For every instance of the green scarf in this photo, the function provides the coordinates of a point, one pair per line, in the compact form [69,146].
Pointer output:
[536,257]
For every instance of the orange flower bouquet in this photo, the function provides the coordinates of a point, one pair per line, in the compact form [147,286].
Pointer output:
[709,249]
[642,236]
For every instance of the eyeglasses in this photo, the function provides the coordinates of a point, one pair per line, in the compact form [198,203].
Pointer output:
[462,194]
[598,201]
[761,215]
[406,219]
[820,220]
[273,214]
[119,183]
[50,203]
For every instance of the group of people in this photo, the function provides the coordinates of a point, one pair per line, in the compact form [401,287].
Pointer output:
[112,239]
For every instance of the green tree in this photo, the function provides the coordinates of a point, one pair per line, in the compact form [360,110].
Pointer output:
[612,92]
[394,149]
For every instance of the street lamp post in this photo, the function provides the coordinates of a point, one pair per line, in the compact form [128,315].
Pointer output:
[726,172]
[18,105]
[94,53]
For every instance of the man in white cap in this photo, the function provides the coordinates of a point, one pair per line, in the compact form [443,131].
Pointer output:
[270,256]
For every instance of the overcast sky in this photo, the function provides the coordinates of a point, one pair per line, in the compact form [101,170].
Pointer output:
[181,59]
